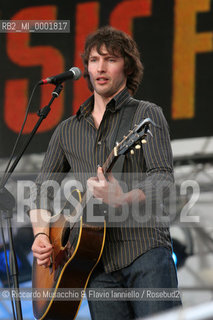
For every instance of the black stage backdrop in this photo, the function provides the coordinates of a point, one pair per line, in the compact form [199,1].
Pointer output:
[174,38]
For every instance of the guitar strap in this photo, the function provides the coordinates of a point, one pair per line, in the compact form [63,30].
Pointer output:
[125,123]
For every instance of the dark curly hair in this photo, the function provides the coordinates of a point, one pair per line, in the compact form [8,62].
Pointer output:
[117,43]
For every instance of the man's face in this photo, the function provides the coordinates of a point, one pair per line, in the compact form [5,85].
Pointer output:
[106,72]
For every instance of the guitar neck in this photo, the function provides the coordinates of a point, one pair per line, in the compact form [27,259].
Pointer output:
[107,166]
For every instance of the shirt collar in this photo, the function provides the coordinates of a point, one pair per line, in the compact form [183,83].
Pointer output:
[113,105]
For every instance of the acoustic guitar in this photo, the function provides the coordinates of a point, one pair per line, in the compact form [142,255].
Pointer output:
[77,246]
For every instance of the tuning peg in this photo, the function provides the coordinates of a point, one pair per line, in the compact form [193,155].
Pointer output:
[143,141]
[132,151]
[138,146]
[115,150]
[148,131]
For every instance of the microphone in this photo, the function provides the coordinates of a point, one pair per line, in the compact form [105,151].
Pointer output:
[74,73]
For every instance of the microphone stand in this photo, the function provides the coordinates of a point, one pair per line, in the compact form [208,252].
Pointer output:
[7,202]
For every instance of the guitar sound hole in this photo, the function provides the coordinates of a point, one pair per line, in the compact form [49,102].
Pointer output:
[65,236]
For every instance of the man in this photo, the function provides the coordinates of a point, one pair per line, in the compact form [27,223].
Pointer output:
[134,256]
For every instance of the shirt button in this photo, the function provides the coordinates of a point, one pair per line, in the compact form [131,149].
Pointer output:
[99,143]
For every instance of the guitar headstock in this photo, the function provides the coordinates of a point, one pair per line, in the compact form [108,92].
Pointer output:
[135,137]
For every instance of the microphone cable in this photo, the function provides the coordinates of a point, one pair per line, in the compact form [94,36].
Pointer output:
[2,182]
[4,178]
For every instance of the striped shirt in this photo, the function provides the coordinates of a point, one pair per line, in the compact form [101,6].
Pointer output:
[78,146]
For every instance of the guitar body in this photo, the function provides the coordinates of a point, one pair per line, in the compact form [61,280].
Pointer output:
[74,258]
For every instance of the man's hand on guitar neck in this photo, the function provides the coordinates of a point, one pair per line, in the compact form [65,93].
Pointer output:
[111,192]
[42,248]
